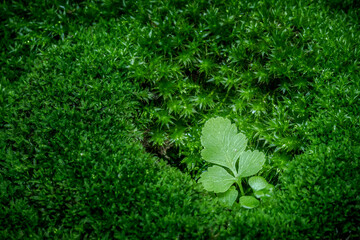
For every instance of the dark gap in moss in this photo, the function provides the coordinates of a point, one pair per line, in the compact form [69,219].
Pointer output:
[167,152]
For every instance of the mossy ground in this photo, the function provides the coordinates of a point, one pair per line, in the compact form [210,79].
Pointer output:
[102,102]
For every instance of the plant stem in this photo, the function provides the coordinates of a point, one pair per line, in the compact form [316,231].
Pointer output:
[240,186]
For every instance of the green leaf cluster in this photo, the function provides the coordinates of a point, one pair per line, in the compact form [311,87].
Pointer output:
[225,148]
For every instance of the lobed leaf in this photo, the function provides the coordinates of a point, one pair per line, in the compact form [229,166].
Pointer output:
[229,197]
[258,183]
[250,163]
[217,179]
[249,202]
[222,144]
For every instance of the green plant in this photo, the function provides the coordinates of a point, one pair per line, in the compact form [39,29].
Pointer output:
[225,148]
[85,85]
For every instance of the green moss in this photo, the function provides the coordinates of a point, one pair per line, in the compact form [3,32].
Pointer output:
[86,86]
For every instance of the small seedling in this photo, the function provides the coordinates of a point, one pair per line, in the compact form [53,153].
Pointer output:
[225,148]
